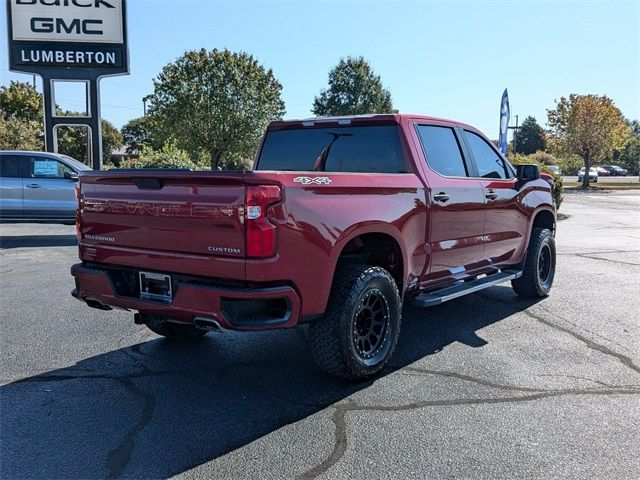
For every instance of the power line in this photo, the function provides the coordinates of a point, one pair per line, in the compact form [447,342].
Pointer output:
[80,103]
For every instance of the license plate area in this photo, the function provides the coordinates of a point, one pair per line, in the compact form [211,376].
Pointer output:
[155,286]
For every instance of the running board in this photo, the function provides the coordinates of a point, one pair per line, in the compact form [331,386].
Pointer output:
[449,293]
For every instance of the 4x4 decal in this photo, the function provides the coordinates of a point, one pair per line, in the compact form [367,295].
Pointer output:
[310,180]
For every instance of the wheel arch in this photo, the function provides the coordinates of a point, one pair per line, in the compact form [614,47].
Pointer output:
[381,242]
[545,218]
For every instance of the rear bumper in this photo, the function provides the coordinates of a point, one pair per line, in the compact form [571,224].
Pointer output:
[234,308]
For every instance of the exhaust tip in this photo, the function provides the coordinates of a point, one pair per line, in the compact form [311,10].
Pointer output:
[94,303]
[208,324]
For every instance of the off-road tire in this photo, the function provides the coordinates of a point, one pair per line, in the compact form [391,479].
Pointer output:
[174,331]
[334,341]
[535,283]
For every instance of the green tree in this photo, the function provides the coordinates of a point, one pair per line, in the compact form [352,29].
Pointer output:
[217,102]
[16,134]
[530,137]
[20,100]
[138,134]
[72,141]
[629,156]
[590,126]
[21,117]
[354,89]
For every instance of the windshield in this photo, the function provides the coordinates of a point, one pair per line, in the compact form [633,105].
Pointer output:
[342,149]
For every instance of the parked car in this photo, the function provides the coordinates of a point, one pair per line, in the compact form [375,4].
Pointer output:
[615,170]
[603,172]
[593,175]
[339,221]
[555,169]
[38,186]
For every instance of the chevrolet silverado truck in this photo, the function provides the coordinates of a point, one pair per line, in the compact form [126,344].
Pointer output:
[339,221]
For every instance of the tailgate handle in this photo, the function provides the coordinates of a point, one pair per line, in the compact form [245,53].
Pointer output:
[149,183]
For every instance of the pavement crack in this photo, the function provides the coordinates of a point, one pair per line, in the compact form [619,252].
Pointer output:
[119,457]
[619,262]
[469,378]
[593,380]
[341,410]
[130,352]
[339,444]
[625,360]
[590,332]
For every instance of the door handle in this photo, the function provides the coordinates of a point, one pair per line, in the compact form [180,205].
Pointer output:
[491,195]
[33,185]
[441,197]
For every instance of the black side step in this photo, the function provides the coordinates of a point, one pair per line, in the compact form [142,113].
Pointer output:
[449,293]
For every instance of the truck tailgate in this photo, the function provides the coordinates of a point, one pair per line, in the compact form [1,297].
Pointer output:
[172,212]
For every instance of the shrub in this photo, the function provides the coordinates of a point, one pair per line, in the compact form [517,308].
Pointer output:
[167,157]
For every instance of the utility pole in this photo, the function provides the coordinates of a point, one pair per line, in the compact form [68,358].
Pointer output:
[144,104]
[515,135]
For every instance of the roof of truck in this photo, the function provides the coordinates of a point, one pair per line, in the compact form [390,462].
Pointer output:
[375,118]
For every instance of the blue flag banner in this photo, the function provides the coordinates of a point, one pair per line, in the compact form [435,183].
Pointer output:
[504,121]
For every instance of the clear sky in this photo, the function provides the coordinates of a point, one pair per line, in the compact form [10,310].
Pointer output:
[449,59]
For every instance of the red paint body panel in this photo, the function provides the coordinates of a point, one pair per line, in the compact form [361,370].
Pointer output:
[195,225]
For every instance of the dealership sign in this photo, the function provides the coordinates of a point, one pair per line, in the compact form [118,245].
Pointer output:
[68,34]
[69,40]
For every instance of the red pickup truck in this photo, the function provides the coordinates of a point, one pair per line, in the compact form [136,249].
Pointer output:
[340,221]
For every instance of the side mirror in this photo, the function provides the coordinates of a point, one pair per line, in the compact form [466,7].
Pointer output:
[71,175]
[527,173]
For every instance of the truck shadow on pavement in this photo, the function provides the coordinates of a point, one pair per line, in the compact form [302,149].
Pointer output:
[35,241]
[158,408]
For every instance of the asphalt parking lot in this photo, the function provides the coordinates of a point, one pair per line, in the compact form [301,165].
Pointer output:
[487,386]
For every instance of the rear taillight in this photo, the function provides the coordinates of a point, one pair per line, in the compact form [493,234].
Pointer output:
[261,233]
[78,208]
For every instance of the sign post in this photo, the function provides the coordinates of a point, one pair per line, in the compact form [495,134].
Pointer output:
[72,40]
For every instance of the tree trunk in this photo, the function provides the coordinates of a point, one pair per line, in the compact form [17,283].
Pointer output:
[215,159]
[587,167]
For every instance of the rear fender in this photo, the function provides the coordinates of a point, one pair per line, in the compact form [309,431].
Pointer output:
[362,229]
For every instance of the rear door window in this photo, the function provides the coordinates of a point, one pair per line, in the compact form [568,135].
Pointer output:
[441,148]
[488,162]
[342,149]
[11,166]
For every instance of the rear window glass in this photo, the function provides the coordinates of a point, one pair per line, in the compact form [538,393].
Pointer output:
[10,166]
[346,149]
